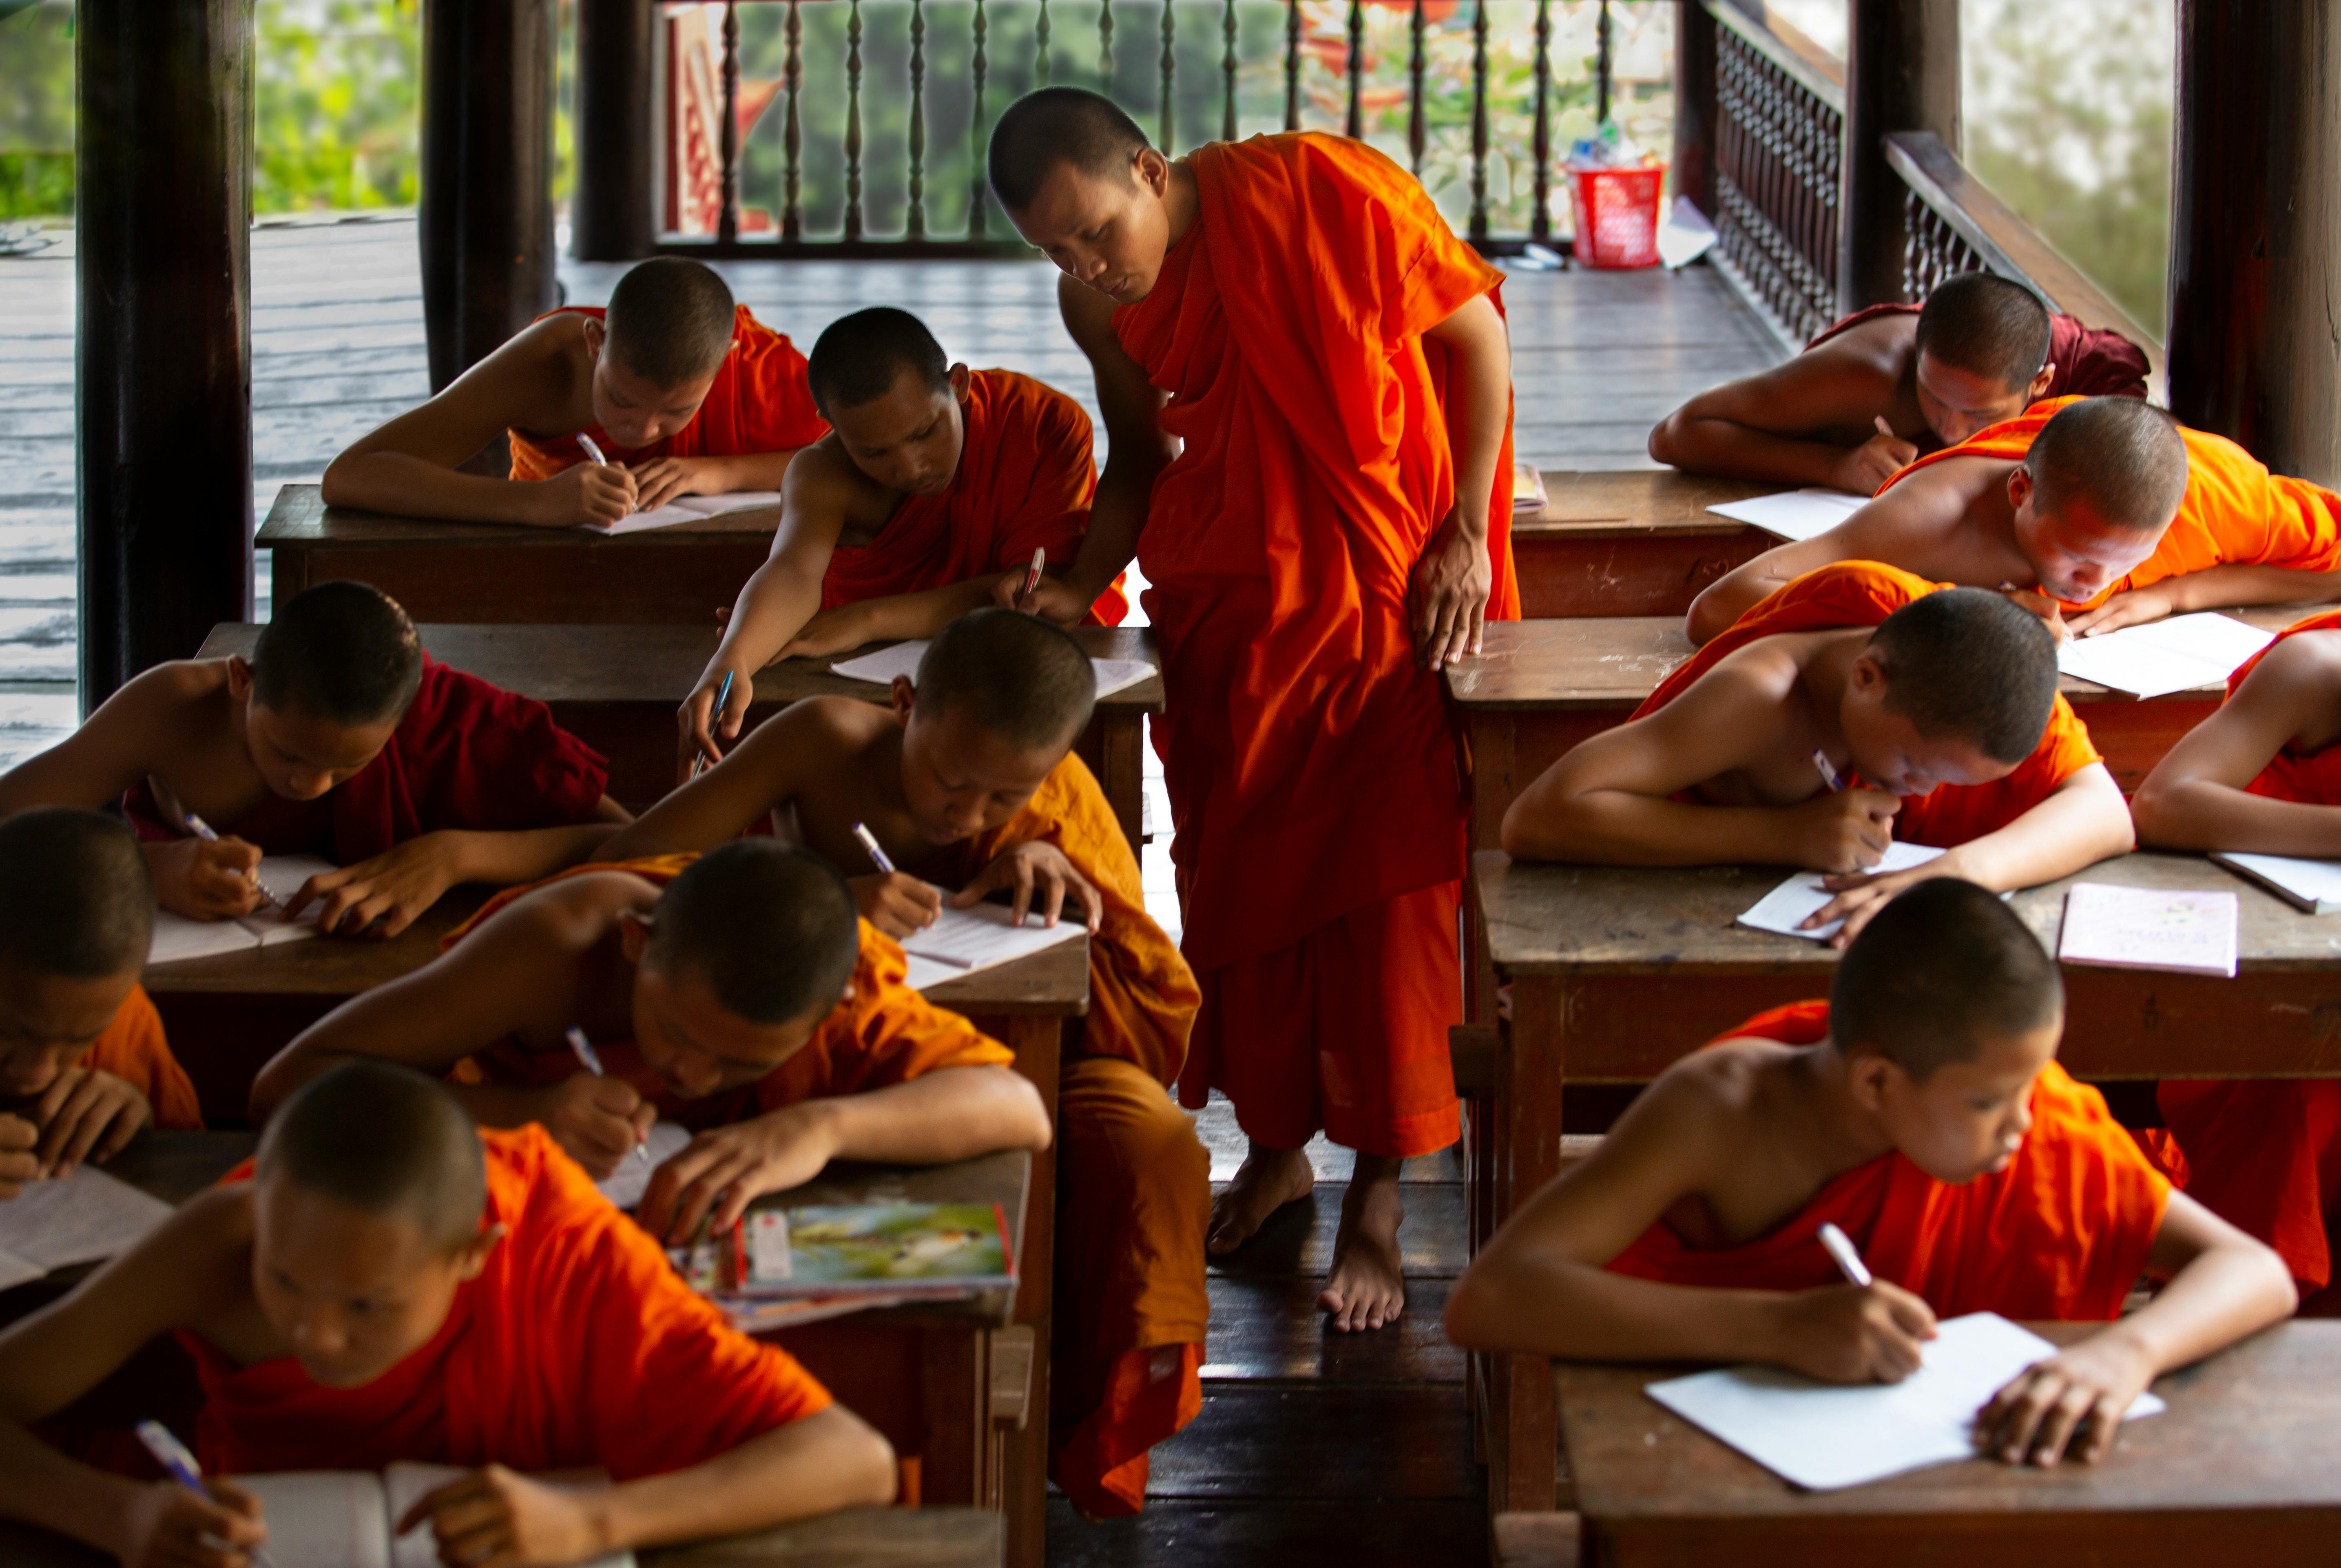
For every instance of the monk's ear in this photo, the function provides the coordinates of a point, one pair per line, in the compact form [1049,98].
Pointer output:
[1868,675]
[239,678]
[633,934]
[2040,384]
[960,378]
[904,695]
[475,1256]
[1151,170]
[596,335]
[1866,1078]
[2020,486]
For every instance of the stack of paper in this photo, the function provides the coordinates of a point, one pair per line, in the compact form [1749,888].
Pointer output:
[178,937]
[685,509]
[85,1218]
[2188,932]
[902,659]
[1801,897]
[1794,514]
[2180,654]
[1527,489]
[2314,885]
[962,941]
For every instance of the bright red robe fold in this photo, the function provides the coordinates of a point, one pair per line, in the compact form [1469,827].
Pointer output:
[2090,361]
[576,1347]
[760,403]
[2063,1233]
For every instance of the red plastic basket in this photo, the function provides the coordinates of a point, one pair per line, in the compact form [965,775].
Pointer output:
[1617,215]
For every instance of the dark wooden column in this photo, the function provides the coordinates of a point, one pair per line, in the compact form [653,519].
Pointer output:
[2256,230]
[162,341]
[609,216]
[486,211]
[1694,171]
[1901,74]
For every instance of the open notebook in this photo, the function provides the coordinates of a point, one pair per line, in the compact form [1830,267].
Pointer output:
[343,1518]
[962,941]
[1801,895]
[902,659]
[84,1217]
[1793,514]
[2180,654]
[177,938]
[685,509]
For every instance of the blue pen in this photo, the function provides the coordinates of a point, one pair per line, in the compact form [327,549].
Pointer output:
[203,830]
[869,842]
[592,1061]
[723,696]
[172,1456]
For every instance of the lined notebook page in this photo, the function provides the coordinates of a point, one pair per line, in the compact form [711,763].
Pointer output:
[84,1217]
[177,938]
[962,941]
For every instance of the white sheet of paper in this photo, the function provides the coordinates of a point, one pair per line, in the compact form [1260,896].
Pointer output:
[178,937]
[962,941]
[80,1218]
[1794,514]
[2184,932]
[2314,885]
[325,1519]
[687,509]
[627,1184]
[1821,1437]
[1801,897]
[2179,654]
[902,659]
[15,1271]
[406,1483]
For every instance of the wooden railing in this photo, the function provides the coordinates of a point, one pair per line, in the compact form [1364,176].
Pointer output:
[1779,128]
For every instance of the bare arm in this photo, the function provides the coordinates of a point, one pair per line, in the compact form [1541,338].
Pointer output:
[828,1460]
[2195,797]
[1765,426]
[2214,588]
[765,770]
[383,896]
[1906,527]
[895,616]
[1453,578]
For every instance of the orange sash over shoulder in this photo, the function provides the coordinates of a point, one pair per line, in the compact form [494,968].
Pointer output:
[132,1050]
[760,403]
[1864,593]
[576,1347]
[1024,481]
[2236,513]
[2062,1233]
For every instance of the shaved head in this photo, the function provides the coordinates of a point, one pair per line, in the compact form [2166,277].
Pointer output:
[2119,456]
[1965,662]
[341,651]
[670,320]
[1937,973]
[81,902]
[1054,128]
[1986,325]
[858,359]
[1019,678]
[770,929]
[383,1140]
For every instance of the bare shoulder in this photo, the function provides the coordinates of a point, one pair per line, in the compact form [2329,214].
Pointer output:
[1766,669]
[1884,345]
[821,732]
[2307,660]
[568,915]
[160,708]
[191,1270]
[1697,1115]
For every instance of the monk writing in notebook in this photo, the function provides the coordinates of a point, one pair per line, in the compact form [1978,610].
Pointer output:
[1934,707]
[2262,774]
[1306,383]
[83,1064]
[933,481]
[1920,1110]
[735,993]
[1889,383]
[968,782]
[670,390]
[392,1286]
[338,738]
[2102,513]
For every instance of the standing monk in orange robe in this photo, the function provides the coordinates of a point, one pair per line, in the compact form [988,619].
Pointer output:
[934,481]
[1332,532]
[1920,1110]
[682,393]
[391,1286]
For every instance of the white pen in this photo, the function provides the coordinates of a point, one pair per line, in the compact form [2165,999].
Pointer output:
[203,830]
[592,1061]
[1848,1262]
[592,451]
[1828,773]
[1033,577]
[172,1456]
[869,842]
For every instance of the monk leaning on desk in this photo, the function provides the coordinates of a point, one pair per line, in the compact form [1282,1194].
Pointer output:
[683,392]
[934,480]
[1321,507]
[1936,708]
[392,1286]
[2103,513]
[1920,1109]
[1981,350]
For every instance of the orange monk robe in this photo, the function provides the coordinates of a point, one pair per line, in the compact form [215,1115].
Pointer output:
[132,1050]
[2263,1154]
[1025,476]
[1864,593]
[1315,782]
[759,402]
[577,1347]
[2236,513]
[2062,1233]
[1133,1186]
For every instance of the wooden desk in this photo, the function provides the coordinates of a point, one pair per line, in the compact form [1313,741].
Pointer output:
[2241,1468]
[617,689]
[1617,972]
[1628,543]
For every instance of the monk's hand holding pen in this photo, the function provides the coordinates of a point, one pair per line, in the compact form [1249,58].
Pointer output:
[2037,602]
[1041,880]
[1448,596]
[594,494]
[1842,830]
[896,903]
[1866,466]
[206,879]
[1051,599]
[1872,1332]
[2071,1403]
[597,1121]
[168,1522]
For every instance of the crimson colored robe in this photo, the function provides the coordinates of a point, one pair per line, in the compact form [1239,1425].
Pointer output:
[2089,362]
[2063,1233]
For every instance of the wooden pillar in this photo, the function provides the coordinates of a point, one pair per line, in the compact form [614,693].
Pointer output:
[610,215]
[2254,251]
[162,341]
[1694,171]
[1901,74]
[486,211]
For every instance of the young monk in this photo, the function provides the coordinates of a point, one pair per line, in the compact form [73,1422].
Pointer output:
[2102,512]
[1886,384]
[934,480]
[969,782]
[681,392]
[83,1064]
[1920,1109]
[338,738]
[2264,774]
[739,999]
[1936,707]
[1325,501]
[390,1286]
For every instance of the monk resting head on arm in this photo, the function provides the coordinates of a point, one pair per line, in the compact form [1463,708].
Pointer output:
[2063,511]
[735,993]
[83,1065]
[1920,1110]
[1936,710]
[392,1286]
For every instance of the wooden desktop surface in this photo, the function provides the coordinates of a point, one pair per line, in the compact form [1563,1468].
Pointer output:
[1629,542]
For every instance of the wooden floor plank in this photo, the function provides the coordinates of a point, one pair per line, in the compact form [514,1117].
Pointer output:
[1298,1442]
[1297,1239]
[1443,1534]
[1271,1328]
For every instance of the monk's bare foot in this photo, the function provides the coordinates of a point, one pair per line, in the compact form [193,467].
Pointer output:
[1266,1181]
[1365,1289]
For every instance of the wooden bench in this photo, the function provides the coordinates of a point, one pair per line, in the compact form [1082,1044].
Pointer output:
[617,689]
[1629,543]
[1617,972]
[2240,1469]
